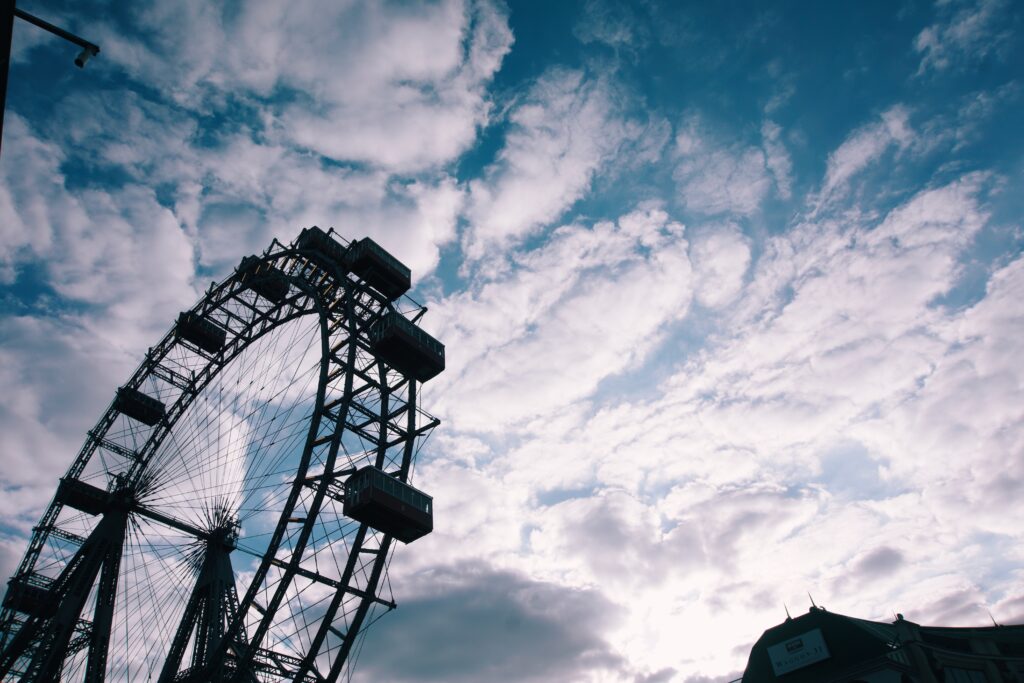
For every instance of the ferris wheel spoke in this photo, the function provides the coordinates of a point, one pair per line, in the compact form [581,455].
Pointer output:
[152,596]
[180,525]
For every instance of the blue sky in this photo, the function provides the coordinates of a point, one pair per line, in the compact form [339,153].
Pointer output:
[730,292]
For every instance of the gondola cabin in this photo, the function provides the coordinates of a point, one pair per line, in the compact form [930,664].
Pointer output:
[196,329]
[321,248]
[142,407]
[388,504]
[264,279]
[405,347]
[380,269]
[31,595]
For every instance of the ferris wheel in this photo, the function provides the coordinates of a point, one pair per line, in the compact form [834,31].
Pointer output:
[231,516]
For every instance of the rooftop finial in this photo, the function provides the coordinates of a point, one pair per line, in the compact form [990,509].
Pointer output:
[788,618]
[813,606]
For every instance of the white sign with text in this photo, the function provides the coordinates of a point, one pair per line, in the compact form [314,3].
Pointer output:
[796,653]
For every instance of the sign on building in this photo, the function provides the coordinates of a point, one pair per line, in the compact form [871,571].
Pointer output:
[796,653]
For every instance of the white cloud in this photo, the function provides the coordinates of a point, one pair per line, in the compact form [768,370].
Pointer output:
[413,223]
[865,146]
[96,246]
[966,35]
[401,89]
[56,375]
[562,132]
[961,424]
[720,257]
[715,501]
[969,125]
[125,264]
[612,23]
[237,194]
[586,306]
[417,100]
[397,86]
[713,178]
[777,158]
[258,192]
[25,224]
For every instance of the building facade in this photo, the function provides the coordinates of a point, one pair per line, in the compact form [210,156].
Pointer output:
[824,647]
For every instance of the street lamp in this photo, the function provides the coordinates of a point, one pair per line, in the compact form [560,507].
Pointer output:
[7,14]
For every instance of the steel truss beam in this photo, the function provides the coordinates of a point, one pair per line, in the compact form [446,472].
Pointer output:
[46,640]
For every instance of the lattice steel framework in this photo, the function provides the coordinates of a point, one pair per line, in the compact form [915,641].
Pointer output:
[243,454]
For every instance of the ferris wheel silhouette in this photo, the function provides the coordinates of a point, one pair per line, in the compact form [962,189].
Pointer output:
[231,516]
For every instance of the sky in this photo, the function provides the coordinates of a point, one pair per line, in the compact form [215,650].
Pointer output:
[731,294]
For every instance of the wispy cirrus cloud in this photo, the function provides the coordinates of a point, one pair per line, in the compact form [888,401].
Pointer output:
[965,33]
[612,22]
[562,133]
[777,158]
[589,304]
[865,146]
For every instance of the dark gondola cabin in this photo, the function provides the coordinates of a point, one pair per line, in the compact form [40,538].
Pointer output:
[388,505]
[196,329]
[137,405]
[264,279]
[405,347]
[321,248]
[380,269]
[30,594]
